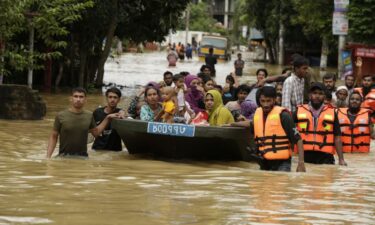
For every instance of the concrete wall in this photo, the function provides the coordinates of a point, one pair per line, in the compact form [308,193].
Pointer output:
[18,102]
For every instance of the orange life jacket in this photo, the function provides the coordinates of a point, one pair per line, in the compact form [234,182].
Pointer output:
[270,137]
[368,100]
[321,137]
[355,136]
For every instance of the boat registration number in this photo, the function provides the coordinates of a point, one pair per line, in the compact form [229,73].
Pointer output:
[171,129]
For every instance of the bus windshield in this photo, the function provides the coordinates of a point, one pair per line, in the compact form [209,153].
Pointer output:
[215,42]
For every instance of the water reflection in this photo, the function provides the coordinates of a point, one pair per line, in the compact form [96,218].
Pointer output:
[117,188]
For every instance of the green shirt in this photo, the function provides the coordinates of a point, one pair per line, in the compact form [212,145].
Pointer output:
[73,129]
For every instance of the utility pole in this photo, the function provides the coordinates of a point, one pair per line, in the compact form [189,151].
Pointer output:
[341,47]
[31,52]
[340,26]
[30,16]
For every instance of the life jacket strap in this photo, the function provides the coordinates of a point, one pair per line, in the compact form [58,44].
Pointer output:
[265,151]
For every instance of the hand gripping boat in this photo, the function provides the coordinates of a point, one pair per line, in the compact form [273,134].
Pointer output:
[180,141]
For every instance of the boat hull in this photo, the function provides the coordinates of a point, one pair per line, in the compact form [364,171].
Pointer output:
[207,143]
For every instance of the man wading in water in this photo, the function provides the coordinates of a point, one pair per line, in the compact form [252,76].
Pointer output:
[73,125]
[109,139]
[275,134]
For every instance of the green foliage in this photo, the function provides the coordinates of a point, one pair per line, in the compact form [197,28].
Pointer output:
[50,20]
[362,21]
[201,20]
[314,16]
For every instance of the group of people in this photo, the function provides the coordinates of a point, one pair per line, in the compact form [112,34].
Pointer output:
[178,52]
[285,114]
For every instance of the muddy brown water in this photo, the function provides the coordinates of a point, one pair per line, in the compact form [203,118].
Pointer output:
[118,188]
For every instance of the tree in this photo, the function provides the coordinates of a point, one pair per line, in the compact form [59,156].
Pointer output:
[50,19]
[138,21]
[11,21]
[201,19]
[362,21]
[316,19]
[265,16]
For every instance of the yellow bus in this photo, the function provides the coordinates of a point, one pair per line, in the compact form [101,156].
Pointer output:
[218,43]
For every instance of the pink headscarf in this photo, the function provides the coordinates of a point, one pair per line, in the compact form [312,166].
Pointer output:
[188,79]
[193,96]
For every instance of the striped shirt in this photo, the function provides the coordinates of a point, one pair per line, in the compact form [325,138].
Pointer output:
[293,92]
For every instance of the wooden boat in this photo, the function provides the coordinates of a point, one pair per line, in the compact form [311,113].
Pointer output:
[180,141]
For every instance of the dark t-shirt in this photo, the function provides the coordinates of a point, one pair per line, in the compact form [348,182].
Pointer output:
[109,139]
[211,61]
[238,65]
[73,129]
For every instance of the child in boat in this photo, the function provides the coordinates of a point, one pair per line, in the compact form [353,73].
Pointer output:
[180,89]
[184,113]
[169,107]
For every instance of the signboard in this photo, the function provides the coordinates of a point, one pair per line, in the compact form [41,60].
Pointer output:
[340,24]
[365,52]
[347,61]
[171,129]
[341,5]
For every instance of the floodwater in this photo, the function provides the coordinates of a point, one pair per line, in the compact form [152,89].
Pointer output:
[117,188]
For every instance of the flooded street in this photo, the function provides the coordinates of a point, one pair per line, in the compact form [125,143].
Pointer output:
[118,188]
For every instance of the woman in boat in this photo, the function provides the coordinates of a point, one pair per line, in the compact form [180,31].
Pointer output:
[137,101]
[151,109]
[208,83]
[248,109]
[194,95]
[231,84]
[218,114]
[240,95]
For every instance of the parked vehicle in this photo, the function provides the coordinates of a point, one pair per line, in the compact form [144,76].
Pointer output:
[218,43]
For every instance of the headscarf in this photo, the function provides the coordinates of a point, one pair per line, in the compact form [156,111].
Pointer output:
[193,95]
[188,79]
[218,115]
[153,84]
[248,109]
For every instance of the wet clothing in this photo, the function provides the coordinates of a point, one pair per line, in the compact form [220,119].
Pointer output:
[73,129]
[239,65]
[211,60]
[287,126]
[252,95]
[169,107]
[293,89]
[189,53]
[132,109]
[147,114]
[230,95]
[277,165]
[109,139]
[248,108]
[355,130]
[235,108]
[318,130]
[218,115]
[193,96]
[316,157]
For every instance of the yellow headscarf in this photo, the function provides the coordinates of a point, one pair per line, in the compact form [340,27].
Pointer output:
[218,115]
